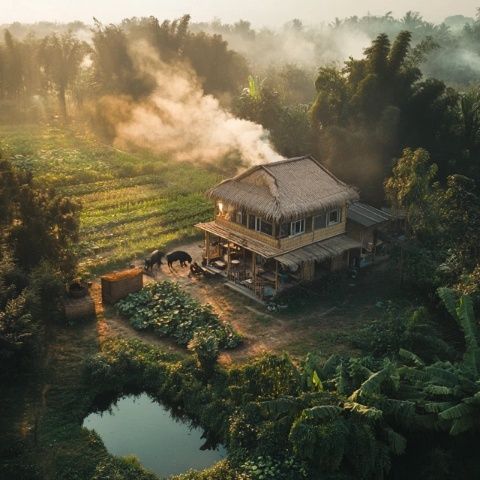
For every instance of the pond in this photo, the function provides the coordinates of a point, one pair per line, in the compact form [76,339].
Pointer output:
[141,426]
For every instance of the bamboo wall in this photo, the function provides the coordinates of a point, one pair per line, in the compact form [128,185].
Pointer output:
[261,237]
[289,243]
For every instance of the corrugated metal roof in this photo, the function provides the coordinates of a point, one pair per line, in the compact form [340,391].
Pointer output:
[366,215]
[318,251]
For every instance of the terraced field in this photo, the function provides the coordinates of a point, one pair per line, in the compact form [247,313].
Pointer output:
[132,203]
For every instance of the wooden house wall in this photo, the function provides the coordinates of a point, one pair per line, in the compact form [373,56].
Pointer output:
[267,239]
[290,243]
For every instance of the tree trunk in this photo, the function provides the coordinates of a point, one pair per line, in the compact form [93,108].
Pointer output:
[63,103]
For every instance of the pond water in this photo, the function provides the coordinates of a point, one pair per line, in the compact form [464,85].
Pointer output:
[140,426]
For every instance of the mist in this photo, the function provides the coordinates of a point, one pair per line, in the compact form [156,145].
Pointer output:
[294,43]
[265,13]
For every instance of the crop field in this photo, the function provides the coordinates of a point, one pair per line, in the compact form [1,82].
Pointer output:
[132,203]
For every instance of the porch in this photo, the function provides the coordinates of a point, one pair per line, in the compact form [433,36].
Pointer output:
[259,270]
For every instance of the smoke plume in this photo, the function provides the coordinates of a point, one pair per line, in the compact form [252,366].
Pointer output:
[179,120]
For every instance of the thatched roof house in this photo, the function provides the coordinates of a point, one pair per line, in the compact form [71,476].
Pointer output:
[279,224]
[285,190]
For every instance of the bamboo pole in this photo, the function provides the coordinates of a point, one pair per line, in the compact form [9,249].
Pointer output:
[276,276]
[228,260]
[207,247]
[254,274]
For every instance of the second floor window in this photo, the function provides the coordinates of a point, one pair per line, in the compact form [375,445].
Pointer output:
[260,225]
[239,216]
[297,227]
[333,217]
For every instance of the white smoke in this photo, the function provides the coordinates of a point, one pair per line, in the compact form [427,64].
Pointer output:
[179,120]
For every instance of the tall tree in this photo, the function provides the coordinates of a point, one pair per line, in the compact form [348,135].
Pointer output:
[36,224]
[61,59]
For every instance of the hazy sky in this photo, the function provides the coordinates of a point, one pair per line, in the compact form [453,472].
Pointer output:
[259,12]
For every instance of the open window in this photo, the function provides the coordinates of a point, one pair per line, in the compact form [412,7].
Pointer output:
[260,225]
[297,227]
[334,217]
[266,227]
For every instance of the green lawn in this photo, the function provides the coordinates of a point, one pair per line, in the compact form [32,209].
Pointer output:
[132,202]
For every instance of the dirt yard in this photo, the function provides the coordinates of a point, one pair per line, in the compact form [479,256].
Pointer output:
[324,325]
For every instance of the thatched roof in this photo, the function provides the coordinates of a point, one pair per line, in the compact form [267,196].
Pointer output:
[282,191]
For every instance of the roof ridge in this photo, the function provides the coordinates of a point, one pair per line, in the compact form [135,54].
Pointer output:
[328,172]
[274,193]
[287,160]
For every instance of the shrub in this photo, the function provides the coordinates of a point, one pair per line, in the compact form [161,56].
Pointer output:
[268,468]
[123,468]
[205,347]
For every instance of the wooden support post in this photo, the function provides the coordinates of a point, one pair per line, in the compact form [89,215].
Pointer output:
[276,276]
[207,247]
[228,259]
[254,273]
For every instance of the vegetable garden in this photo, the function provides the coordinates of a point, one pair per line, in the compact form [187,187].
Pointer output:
[167,310]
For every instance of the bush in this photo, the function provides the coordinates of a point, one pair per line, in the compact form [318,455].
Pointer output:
[205,347]
[170,312]
[268,468]
[123,468]
[401,327]
[47,290]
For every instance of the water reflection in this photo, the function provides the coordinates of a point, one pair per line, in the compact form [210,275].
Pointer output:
[166,445]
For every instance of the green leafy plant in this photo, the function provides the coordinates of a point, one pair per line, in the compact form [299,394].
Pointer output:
[167,310]
[204,345]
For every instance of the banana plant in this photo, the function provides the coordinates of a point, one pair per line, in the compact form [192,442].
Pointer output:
[450,391]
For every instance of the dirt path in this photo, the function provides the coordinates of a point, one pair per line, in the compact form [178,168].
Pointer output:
[321,326]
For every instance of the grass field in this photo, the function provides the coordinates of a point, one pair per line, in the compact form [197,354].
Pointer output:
[132,203]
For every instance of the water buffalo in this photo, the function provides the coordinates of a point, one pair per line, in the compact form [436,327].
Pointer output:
[155,258]
[179,256]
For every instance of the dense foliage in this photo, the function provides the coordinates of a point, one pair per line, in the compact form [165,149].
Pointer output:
[408,407]
[371,109]
[44,75]
[36,224]
[347,416]
[37,233]
[442,221]
[167,310]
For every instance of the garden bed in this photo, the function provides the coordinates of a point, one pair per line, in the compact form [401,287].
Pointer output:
[166,310]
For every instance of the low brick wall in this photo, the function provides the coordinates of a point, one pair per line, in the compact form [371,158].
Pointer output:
[118,285]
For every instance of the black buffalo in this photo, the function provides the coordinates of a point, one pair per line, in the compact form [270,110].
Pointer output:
[178,256]
[155,258]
